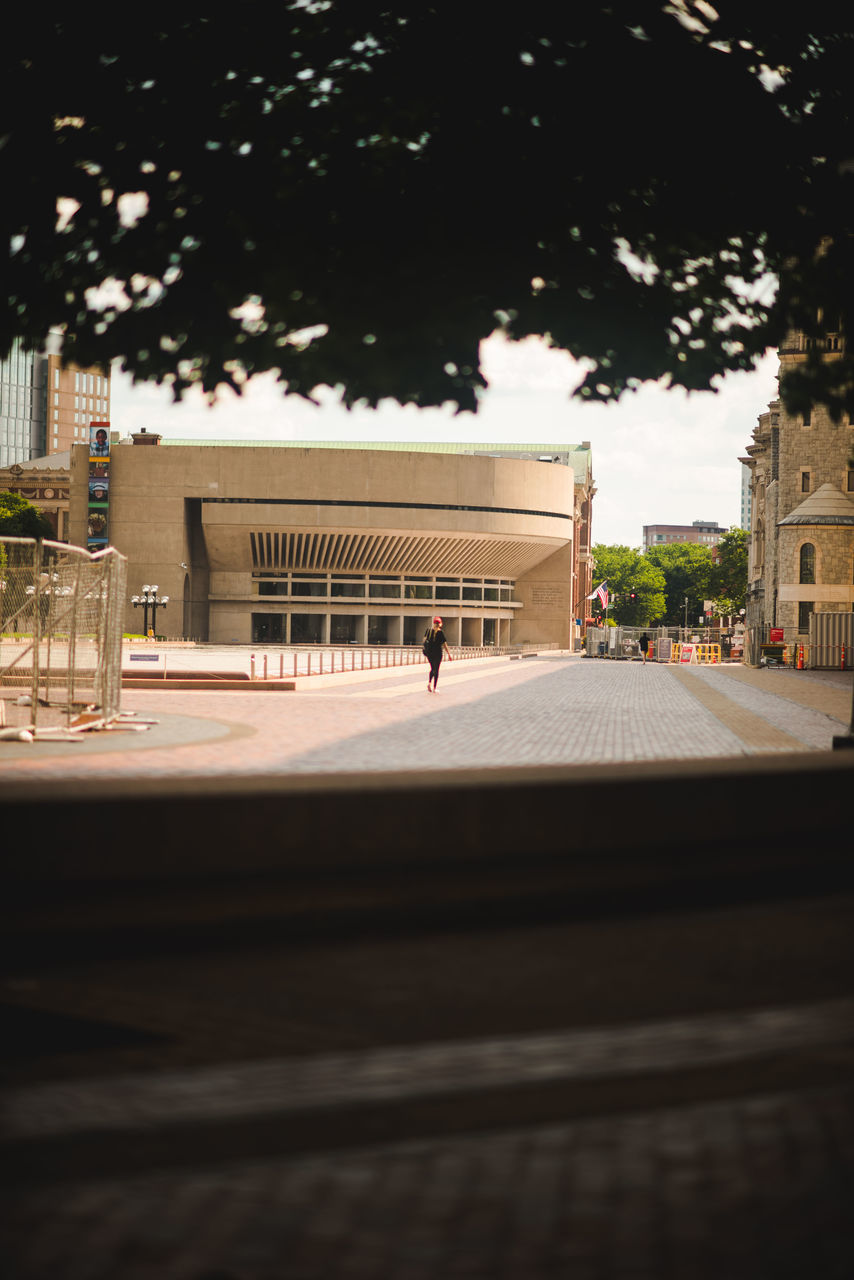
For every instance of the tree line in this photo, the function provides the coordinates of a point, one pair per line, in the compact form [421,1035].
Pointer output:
[652,587]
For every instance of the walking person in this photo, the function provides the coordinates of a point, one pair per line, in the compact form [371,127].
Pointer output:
[644,645]
[433,647]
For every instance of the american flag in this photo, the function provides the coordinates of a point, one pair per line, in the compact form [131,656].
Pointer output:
[601,593]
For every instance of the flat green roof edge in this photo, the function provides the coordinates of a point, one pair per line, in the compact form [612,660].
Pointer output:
[400,446]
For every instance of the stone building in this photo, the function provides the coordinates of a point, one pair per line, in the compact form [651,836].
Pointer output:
[45,483]
[801,551]
[357,543]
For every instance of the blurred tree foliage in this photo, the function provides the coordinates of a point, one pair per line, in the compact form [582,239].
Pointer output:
[688,570]
[20,519]
[729,579]
[356,194]
[636,585]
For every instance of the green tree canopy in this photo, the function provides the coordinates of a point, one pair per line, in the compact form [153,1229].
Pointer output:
[634,583]
[20,519]
[688,570]
[356,194]
[729,577]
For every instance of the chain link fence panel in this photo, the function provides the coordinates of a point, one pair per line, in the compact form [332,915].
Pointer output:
[61,622]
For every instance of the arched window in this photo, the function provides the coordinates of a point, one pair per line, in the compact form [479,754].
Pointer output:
[807,573]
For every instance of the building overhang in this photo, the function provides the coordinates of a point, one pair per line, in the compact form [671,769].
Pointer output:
[280,549]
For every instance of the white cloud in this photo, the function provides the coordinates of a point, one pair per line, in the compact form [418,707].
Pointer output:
[659,456]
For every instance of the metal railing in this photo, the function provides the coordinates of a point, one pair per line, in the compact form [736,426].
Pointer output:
[61,613]
[290,662]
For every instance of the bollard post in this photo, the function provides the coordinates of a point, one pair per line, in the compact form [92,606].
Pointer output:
[252,666]
[265,666]
[281,666]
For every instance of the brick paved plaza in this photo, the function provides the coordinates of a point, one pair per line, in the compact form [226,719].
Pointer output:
[655,1093]
[546,710]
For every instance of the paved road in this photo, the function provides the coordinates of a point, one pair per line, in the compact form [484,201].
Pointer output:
[651,1097]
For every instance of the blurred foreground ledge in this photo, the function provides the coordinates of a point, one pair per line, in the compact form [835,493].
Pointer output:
[102,870]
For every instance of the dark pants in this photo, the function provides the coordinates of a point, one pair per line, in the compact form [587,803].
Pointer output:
[435,663]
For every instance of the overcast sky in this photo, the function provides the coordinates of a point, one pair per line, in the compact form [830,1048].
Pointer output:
[659,457]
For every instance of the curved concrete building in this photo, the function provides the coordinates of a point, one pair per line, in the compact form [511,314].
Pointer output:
[335,544]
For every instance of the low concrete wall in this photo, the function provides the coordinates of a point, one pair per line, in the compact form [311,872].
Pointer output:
[162,865]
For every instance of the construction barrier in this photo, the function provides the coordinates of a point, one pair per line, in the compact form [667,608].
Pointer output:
[707,653]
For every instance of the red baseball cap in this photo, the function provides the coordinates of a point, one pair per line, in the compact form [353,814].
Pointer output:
[437,622]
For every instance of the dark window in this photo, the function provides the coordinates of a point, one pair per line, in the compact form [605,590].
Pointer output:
[807,565]
[306,628]
[805,482]
[805,608]
[343,628]
[268,628]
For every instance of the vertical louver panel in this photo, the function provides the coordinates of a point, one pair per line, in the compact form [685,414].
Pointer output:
[362,553]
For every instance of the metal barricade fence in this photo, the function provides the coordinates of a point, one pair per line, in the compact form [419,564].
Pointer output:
[665,643]
[827,646]
[61,618]
[831,639]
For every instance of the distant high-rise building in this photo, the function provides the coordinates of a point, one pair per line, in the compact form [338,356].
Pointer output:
[23,376]
[46,407]
[746,505]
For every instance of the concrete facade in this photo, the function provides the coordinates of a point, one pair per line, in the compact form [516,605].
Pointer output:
[801,553]
[336,545]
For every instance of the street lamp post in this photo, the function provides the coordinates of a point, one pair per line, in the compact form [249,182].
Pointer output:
[149,600]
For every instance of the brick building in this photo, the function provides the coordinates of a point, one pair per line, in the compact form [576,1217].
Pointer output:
[704,532]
